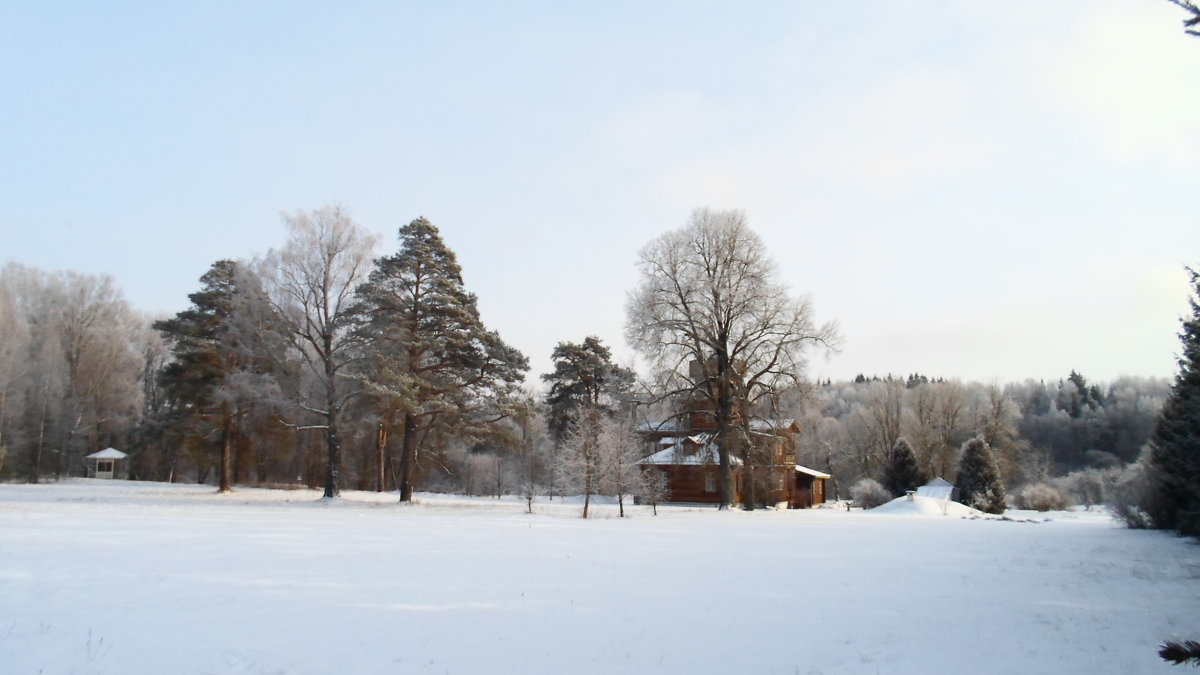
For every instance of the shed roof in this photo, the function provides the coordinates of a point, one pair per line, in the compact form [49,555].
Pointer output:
[108,453]
[812,472]
[936,489]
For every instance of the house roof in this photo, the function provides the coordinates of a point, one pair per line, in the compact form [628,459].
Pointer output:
[812,472]
[673,455]
[677,425]
[108,453]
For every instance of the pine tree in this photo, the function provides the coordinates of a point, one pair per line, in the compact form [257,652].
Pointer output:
[979,479]
[203,359]
[221,361]
[584,375]
[1175,443]
[902,473]
[429,353]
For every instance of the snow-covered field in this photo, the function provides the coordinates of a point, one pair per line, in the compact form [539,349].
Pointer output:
[120,577]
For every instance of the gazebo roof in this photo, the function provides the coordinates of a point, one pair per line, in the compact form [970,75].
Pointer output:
[108,453]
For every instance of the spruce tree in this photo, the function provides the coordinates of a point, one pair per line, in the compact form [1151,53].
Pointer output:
[428,351]
[979,483]
[902,473]
[1175,443]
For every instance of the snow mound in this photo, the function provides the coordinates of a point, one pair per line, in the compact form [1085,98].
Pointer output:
[926,506]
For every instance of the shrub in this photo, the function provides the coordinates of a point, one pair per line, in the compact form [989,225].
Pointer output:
[868,494]
[1041,497]
[1133,498]
[1087,487]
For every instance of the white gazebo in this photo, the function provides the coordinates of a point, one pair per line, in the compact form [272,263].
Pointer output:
[106,463]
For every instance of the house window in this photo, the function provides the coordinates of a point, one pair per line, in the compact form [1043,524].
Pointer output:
[104,466]
[710,481]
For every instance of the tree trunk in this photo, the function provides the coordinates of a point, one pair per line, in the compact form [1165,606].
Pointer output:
[333,470]
[381,438]
[408,454]
[35,468]
[724,438]
[749,492]
[226,480]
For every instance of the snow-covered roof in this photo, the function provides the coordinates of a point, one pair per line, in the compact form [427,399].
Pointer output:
[812,472]
[108,453]
[674,455]
[772,425]
[936,489]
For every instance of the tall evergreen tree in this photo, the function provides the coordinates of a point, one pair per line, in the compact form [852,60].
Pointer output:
[901,473]
[584,375]
[1175,443]
[979,483]
[429,354]
[202,361]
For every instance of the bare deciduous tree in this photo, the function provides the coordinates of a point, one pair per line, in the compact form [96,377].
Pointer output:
[311,283]
[717,326]
[71,368]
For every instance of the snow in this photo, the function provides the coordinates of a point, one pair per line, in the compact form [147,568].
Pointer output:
[124,577]
[927,506]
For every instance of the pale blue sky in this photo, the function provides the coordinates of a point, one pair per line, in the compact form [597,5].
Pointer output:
[988,190]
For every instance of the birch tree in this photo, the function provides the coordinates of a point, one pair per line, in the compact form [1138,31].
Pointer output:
[310,283]
[717,326]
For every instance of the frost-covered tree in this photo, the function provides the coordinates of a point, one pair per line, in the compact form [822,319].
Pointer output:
[979,483]
[996,421]
[311,282]
[13,364]
[901,473]
[70,369]
[880,416]
[429,356]
[1175,444]
[653,487]
[718,327]
[619,447]
[581,456]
